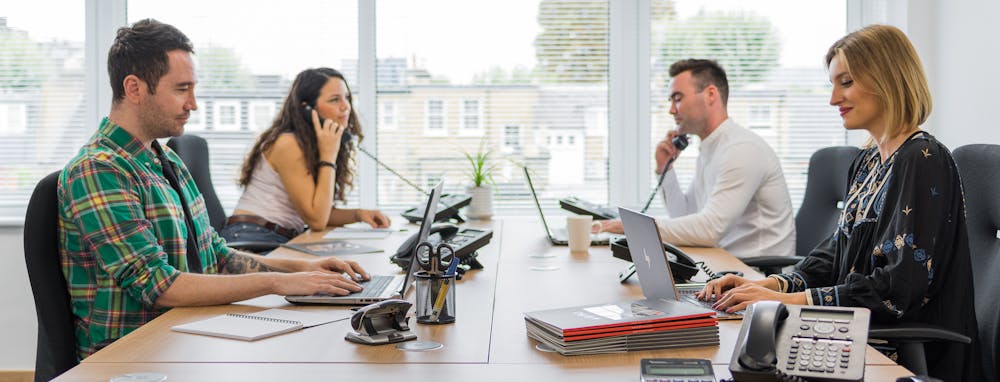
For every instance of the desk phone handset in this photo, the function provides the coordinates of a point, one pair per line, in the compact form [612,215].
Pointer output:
[307,113]
[681,265]
[465,241]
[800,343]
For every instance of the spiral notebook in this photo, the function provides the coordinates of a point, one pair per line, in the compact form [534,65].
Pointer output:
[255,326]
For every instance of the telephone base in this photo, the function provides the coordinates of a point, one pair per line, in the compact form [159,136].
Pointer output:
[624,275]
[467,264]
[448,209]
[382,338]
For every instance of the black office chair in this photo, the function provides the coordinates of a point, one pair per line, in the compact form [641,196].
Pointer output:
[826,185]
[193,150]
[56,351]
[979,167]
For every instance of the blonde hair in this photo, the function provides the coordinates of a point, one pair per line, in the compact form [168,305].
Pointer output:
[885,62]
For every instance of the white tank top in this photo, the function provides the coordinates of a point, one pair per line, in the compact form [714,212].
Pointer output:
[266,197]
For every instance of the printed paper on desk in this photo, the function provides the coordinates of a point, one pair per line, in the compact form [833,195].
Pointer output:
[308,319]
[358,233]
[332,248]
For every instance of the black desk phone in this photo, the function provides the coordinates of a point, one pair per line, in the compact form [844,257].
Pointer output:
[465,241]
[582,207]
[448,207]
[780,342]
[676,369]
[681,265]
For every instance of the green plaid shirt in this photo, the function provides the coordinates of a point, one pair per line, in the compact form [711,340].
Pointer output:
[122,235]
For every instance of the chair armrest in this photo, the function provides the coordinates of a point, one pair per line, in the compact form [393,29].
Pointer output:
[771,264]
[912,332]
[253,246]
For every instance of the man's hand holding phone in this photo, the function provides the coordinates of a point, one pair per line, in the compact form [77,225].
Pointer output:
[666,150]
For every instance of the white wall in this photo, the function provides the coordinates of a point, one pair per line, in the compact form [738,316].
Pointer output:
[957,41]
[17,307]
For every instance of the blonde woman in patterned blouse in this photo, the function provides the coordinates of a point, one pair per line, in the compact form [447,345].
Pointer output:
[900,248]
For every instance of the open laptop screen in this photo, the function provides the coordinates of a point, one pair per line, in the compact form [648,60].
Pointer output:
[425,229]
[538,204]
[648,255]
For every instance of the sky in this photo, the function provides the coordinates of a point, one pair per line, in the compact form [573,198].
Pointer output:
[458,38]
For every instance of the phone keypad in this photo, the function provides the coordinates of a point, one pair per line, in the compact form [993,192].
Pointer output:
[818,355]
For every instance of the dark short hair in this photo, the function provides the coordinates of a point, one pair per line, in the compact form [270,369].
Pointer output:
[142,50]
[704,72]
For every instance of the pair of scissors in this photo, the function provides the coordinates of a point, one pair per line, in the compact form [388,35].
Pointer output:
[434,258]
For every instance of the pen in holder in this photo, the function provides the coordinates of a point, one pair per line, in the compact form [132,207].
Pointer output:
[436,296]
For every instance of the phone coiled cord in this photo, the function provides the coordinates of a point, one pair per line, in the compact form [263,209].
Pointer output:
[781,376]
[704,267]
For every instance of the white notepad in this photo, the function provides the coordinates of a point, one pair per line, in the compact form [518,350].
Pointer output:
[252,327]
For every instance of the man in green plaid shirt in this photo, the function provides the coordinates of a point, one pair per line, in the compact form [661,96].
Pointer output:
[124,234]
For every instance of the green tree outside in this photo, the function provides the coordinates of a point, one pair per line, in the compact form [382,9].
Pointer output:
[220,68]
[572,46]
[24,64]
[746,45]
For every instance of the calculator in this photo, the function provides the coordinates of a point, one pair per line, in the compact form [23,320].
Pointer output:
[676,370]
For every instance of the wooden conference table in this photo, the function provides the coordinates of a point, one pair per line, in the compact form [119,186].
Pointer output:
[523,272]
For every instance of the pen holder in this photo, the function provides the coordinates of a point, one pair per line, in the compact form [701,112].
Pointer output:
[435,298]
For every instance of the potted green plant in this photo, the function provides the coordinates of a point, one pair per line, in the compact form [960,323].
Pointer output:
[481,174]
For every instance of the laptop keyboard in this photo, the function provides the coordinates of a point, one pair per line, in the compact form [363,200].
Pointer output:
[374,287]
[687,294]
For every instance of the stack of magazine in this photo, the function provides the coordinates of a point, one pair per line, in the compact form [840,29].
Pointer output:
[624,326]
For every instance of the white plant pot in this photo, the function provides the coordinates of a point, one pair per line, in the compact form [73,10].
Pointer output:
[481,206]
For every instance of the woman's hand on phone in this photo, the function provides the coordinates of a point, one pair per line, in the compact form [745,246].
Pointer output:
[328,135]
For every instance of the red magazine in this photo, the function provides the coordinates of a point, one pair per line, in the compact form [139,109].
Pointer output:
[642,328]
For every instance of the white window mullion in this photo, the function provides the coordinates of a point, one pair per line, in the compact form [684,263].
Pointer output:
[103,20]
[365,102]
[628,99]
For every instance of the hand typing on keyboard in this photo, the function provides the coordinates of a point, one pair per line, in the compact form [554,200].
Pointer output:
[733,293]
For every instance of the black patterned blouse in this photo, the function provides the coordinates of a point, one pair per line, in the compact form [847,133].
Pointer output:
[900,249]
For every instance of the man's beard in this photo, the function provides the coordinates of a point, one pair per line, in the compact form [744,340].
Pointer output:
[157,123]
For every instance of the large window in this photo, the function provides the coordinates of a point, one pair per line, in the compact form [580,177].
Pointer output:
[42,103]
[527,80]
[517,73]
[246,57]
[773,52]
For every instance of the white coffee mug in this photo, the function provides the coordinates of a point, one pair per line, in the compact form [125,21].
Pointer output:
[578,229]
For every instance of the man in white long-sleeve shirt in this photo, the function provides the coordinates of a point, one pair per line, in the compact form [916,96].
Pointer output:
[738,199]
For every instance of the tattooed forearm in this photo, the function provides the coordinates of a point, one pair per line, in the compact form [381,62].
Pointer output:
[239,264]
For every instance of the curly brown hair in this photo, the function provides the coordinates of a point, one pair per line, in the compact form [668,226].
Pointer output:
[293,119]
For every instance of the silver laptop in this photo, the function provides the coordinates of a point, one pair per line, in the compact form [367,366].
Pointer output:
[652,266]
[558,236]
[381,287]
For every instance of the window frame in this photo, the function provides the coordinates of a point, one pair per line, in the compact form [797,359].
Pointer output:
[435,132]
[252,121]
[629,68]
[464,129]
[387,110]
[236,125]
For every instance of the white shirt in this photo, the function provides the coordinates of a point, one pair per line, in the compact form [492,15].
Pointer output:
[266,197]
[738,199]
